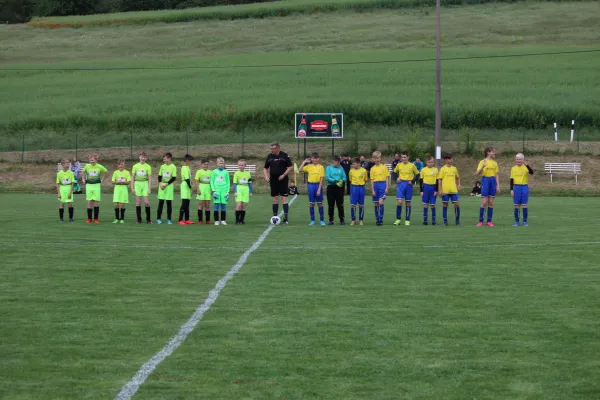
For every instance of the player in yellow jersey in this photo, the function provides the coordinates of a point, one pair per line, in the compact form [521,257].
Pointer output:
[167,174]
[406,172]
[429,183]
[316,173]
[185,191]
[242,189]
[490,184]
[93,175]
[202,180]
[65,181]
[449,186]
[380,182]
[141,185]
[519,187]
[121,179]
[358,177]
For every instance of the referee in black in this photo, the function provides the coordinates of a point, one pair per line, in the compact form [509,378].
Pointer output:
[277,168]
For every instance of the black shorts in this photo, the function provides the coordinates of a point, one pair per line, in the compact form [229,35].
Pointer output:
[279,188]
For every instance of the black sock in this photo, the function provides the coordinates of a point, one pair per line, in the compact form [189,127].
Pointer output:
[61,213]
[181,212]
[89,213]
[186,209]
[147,213]
[276,208]
[286,208]
[199,215]
[207,215]
[70,212]
[161,204]
[216,216]
[122,214]
[138,213]
[117,213]
[223,215]
[238,217]
[96,212]
[169,209]
[243,215]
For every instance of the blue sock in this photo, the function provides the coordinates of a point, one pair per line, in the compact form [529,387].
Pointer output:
[353,213]
[376,208]
[398,212]
[408,212]
[490,214]
[216,207]
[312,212]
[445,214]
[321,213]
[425,214]
[525,214]
[381,213]
[457,213]
[361,213]
[223,207]
[517,215]
[481,212]
[433,214]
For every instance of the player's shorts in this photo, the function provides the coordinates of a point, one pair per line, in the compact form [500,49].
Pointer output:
[93,192]
[121,194]
[521,194]
[140,188]
[185,191]
[453,197]
[279,188]
[404,191]
[488,186]
[357,195]
[242,194]
[64,194]
[166,193]
[205,192]
[221,197]
[312,193]
[379,191]
[429,194]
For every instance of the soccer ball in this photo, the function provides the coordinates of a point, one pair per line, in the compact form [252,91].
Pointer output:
[275,220]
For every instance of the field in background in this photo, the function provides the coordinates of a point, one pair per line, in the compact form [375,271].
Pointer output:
[424,312]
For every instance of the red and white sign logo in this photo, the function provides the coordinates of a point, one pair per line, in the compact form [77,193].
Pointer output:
[319,125]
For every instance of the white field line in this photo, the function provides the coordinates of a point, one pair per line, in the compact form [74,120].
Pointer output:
[131,387]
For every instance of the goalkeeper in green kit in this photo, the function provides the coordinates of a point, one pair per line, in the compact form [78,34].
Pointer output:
[220,186]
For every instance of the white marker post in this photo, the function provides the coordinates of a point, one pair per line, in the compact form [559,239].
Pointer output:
[572,130]
[555,132]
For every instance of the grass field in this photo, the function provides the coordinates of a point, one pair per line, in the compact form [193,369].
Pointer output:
[335,312]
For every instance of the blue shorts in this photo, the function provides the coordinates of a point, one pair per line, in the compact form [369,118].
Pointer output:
[379,191]
[404,191]
[428,194]
[453,197]
[488,186]
[521,194]
[357,195]
[312,193]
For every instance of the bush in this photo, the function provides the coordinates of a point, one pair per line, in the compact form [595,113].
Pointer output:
[468,136]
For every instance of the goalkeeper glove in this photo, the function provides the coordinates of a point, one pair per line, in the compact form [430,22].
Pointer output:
[227,196]
[340,183]
[215,195]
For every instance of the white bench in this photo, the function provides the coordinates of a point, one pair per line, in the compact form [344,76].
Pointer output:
[81,165]
[389,167]
[562,168]
[233,168]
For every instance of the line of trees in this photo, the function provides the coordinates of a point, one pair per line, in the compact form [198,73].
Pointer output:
[19,11]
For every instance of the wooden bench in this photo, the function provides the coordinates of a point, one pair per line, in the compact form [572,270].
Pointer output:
[562,169]
[233,168]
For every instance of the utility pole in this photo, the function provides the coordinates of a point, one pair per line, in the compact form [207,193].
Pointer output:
[438,88]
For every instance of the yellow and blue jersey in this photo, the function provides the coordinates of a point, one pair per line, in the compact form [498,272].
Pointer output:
[491,169]
[358,177]
[315,172]
[448,176]
[429,175]
[406,172]
[519,174]
[379,173]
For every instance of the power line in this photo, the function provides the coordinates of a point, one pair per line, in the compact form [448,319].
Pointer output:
[417,60]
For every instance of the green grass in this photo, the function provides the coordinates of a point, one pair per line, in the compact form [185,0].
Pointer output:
[411,312]
[244,11]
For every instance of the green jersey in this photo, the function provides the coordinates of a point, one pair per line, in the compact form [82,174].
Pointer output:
[219,180]
[242,178]
[167,172]
[185,172]
[141,172]
[203,176]
[93,173]
[65,177]
[121,176]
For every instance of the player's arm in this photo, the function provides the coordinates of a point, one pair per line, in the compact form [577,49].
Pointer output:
[266,172]
[387,183]
[529,169]
[438,183]
[131,188]
[512,186]
[57,188]
[288,171]
[72,186]
[250,187]
[497,181]
[321,178]
[458,183]
[480,167]
[84,175]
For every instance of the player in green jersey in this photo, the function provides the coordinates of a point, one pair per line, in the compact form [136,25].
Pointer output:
[220,185]
[121,179]
[242,189]
[167,174]
[65,180]
[186,191]
[93,175]
[141,185]
[202,179]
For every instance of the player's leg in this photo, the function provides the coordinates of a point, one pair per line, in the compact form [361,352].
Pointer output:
[96,211]
[243,216]
[381,207]
[400,199]
[238,212]
[207,211]
[432,205]
[61,211]
[90,208]
[408,198]
[353,204]
[223,209]
[169,199]
[117,213]
[340,204]
[484,202]
[319,200]
[456,209]
[375,200]
[71,211]
[425,212]
[490,210]
[159,210]
[330,203]
[361,204]
[200,211]
[524,202]
[182,212]
[138,209]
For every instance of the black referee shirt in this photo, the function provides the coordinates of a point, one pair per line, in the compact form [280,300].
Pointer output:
[278,164]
